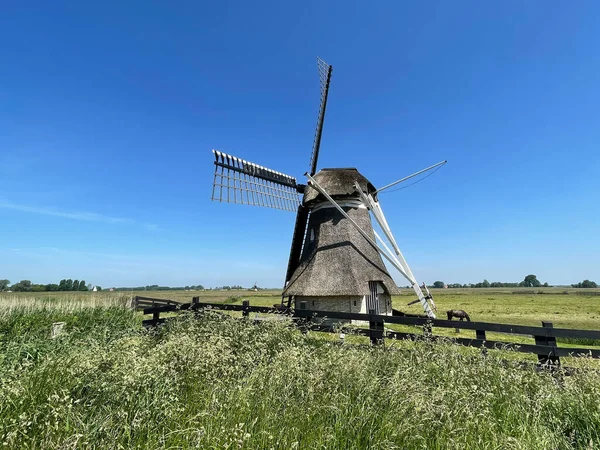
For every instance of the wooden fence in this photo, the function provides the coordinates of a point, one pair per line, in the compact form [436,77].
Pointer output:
[545,346]
[147,302]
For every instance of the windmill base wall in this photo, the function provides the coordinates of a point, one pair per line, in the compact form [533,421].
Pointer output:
[351,304]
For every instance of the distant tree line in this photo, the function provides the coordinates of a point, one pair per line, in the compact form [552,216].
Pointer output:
[529,281]
[28,286]
[585,284]
[484,284]
[156,287]
[197,287]
[235,287]
[193,287]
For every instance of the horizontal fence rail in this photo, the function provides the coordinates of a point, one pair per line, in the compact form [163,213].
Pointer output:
[545,346]
[140,302]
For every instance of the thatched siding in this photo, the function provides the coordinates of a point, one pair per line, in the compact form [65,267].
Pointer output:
[339,261]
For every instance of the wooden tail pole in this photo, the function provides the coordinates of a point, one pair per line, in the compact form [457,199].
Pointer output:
[402,268]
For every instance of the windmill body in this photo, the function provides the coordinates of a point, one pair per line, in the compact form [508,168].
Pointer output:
[335,261]
[339,270]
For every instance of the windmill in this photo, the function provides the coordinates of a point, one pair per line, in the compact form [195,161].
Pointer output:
[335,261]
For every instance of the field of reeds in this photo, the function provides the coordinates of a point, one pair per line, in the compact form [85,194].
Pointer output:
[218,382]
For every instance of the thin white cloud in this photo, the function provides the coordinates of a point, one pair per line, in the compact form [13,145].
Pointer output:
[73,215]
[51,251]
[117,262]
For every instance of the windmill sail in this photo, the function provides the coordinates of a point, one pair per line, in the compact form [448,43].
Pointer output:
[303,212]
[325,78]
[243,182]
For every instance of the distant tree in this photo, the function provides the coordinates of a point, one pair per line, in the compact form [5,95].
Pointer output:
[4,285]
[82,286]
[62,286]
[585,284]
[438,284]
[69,285]
[75,286]
[98,288]
[546,284]
[485,284]
[51,287]
[530,281]
[497,284]
[22,286]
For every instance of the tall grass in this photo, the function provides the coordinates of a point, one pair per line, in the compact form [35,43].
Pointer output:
[65,303]
[218,382]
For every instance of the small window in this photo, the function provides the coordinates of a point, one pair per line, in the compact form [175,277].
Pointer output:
[354,302]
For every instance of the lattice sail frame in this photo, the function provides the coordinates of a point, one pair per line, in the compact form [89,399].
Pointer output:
[246,183]
[325,71]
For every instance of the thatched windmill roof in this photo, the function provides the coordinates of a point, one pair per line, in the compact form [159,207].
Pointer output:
[339,183]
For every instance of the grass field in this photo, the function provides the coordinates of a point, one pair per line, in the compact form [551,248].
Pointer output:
[566,308]
[222,383]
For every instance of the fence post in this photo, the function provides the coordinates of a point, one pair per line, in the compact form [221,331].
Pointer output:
[195,301]
[156,317]
[549,341]
[376,329]
[245,305]
[480,334]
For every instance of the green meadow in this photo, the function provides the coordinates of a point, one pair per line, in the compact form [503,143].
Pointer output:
[217,382]
[565,307]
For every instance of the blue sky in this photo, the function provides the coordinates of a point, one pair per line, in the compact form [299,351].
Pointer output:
[109,112]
